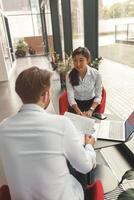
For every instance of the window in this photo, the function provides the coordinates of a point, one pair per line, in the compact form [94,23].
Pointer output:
[4,43]
[25,23]
[77,23]
[49,27]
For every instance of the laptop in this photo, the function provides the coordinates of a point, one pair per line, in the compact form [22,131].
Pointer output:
[116,130]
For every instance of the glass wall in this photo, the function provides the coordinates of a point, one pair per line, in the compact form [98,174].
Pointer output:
[116,29]
[5,44]
[49,27]
[61,27]
[16,5]
[77,23]
[25,24]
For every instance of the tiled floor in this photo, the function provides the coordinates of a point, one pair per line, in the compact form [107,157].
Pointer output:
[120,53]
[118,80]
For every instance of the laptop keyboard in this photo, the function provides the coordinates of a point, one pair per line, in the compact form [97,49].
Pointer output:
[116,130]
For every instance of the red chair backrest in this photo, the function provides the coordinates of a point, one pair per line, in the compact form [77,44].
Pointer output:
[4,193]
[63,103]
[95,191]
[101,108]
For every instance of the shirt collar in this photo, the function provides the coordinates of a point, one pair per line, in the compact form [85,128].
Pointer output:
[87,73]
[88,70]
[32,107]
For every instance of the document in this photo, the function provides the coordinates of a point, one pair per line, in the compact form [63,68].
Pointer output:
[84,125]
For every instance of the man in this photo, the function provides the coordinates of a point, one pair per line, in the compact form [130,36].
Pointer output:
[35,145]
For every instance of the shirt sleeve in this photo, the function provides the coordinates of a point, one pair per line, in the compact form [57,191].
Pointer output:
[82,159]
[70,92]
[98,88]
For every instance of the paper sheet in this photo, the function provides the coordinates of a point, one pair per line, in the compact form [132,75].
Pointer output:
[84,125]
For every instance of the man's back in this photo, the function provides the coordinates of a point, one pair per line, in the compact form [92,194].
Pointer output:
[35,145]
[34,160]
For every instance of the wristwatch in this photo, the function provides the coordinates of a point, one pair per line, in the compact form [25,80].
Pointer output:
[92,109]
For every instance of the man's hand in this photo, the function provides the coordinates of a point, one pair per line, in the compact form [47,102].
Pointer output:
[89,140]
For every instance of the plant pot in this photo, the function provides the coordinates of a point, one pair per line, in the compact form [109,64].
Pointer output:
[20,53]
[31,51]
[63,81]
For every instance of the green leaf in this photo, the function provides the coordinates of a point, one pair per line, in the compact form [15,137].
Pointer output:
[129,175]
[127,195]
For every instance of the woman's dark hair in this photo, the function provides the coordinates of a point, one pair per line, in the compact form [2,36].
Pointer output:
[74,74]
[32,83]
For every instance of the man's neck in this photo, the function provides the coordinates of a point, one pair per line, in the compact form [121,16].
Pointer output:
[41,104]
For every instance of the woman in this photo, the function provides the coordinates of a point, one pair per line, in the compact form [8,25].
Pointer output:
[84,84]
[84,88]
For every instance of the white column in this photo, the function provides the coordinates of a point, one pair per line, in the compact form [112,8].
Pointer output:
[1,5]
[3,68]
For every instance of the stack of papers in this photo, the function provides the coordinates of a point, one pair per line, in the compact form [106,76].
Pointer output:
[84,125]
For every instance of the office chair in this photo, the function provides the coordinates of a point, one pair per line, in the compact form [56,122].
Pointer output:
[94,191]
[63,104]
[4,193]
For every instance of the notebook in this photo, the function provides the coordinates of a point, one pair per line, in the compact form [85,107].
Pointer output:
[116,130]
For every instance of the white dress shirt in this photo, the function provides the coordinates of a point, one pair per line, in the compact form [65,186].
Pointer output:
[34,148]
[89,87]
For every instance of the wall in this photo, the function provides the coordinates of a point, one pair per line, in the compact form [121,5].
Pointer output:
[5,62]
[3,69]
[36,43]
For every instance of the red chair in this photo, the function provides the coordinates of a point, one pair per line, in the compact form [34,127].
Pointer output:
[63,103]
[101,108]
[95,191]
[4,193]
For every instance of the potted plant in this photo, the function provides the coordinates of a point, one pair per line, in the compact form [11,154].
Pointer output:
[55,58]
[129,193]
[95,63]
[31,50]
[62,66]
[21,48]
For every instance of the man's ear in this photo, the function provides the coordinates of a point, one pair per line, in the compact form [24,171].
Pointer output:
[45,97]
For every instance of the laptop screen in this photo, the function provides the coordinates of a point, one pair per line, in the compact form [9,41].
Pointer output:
[129,125]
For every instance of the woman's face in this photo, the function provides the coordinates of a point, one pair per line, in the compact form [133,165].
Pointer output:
[80,62]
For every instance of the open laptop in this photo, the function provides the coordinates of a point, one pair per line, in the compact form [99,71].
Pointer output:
[116,130]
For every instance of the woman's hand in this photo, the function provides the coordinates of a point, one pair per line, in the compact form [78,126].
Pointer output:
[79,112]
[88,113]
[85,113]
[82,114]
